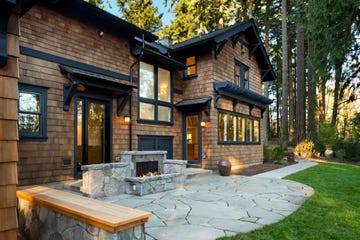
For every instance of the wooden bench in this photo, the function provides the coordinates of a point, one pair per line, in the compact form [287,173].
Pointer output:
[110,217]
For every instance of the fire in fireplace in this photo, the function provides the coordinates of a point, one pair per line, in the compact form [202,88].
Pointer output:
[145,169]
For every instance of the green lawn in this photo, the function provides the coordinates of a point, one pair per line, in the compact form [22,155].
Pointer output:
[333,212]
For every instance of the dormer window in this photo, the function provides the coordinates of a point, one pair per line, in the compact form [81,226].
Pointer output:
[191,67]
[241,75]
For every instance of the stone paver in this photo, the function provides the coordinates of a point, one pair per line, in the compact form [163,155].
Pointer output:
[212,206]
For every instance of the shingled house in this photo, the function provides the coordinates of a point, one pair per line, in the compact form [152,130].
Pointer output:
[92,85]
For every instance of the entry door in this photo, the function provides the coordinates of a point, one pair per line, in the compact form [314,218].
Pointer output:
[92,133]
[192,139]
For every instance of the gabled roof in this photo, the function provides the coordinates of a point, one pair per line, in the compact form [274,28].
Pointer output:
[89,13]
[234,32]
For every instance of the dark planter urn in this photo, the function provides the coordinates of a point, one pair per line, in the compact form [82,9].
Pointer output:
[291,158]
[224,167]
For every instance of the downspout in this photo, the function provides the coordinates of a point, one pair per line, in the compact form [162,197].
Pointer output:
[131,81]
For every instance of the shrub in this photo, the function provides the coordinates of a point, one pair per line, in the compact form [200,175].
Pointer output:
[347,149]
[267,154]
[327,135]
[273,154]
[305,149]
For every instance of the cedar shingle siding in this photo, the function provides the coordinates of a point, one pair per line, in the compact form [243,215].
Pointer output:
[59,39]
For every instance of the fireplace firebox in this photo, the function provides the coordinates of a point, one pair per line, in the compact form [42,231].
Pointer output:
[144,169]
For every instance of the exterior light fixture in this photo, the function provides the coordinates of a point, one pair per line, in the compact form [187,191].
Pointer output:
[100,33]
[203,124]
[126,119]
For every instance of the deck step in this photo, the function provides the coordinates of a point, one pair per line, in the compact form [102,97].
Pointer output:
[73,186]
[197,172]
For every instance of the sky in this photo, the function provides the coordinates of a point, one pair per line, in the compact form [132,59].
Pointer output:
[157,3]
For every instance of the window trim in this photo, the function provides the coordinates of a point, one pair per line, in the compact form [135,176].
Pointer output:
[242,68]
[42,134]
[237,141]
[156,102]
[191,76]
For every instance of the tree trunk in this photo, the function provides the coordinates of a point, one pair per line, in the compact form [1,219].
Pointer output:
[338,70]
[300,88]
[266,121]
[292,96]
[284,137]
[322,100]
[311,98]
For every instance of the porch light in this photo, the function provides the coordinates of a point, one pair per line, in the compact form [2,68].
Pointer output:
[126,119]
[203,124]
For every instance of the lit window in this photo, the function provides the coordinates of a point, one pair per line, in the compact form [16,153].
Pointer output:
[155,101]
[223,122]
[249,130]
[241,75]
[256,131]
[241,127]
[32,112]
[190,67]
[233,128]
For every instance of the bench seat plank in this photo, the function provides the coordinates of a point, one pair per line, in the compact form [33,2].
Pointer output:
[108,216]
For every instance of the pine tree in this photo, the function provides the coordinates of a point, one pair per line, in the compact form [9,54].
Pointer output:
[141,13]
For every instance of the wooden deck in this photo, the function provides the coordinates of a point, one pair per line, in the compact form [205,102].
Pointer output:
[111,217]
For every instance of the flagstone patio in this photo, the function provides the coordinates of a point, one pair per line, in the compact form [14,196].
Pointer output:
[212,206]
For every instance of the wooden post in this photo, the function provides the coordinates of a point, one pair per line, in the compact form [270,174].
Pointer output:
[9,75]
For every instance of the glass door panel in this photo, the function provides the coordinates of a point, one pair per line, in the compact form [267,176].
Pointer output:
[192,138]
[79,134]
[95,132]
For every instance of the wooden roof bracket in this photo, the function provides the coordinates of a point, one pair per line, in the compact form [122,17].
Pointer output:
[217,96]
[207,111]
[236,38]
[252,49]
[5,13]
[121,102]
[251,106]
[218,47]
[69,91]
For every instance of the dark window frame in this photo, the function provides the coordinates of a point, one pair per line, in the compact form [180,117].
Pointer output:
[237,140]
[239,77]
[191,76]
[156,102]
[41,135]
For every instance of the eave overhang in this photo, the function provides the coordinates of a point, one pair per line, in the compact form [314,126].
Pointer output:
[234,33]
[155,53]
[195,105]
[238,94]
[6,9]
[91,14]
[80,79]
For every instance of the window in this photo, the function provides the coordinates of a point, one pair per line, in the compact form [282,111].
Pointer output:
[191,69]
[241,75]
[155,99]
[223,122]
[236,129]
[256,131]
[32,112]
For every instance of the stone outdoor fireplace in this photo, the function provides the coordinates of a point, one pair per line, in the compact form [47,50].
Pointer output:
[134,174]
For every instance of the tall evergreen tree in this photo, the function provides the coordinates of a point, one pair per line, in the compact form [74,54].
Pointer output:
[141,13]
[284,134]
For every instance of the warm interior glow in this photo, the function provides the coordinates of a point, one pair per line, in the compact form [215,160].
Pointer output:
[149,174]
[127,119]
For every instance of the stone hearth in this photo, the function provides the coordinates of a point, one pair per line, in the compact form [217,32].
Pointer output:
[100,180]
